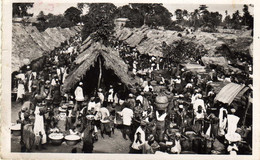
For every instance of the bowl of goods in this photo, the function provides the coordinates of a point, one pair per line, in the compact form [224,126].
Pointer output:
[161,102]
[16,129]
[72,139]
[90,117]
[56,138]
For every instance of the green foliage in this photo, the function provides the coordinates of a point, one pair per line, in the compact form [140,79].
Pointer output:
[151,14]
[73,15]
[20,9]
[247,18]
[99,21]
[180,51]
[154,14]
[51,21]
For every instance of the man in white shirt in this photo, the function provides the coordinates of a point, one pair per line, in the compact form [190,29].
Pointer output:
[79,96]
[127,116]
[105,121]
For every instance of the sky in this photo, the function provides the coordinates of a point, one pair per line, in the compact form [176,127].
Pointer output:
[59,8]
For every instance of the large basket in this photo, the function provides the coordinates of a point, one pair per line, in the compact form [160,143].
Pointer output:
[161,102]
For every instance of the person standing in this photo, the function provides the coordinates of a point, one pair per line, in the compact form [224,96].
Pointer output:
[79,96]
[110,97]
[101,95]
[160,123]
[20,91]
[127,116]
[105,121]
[139,138]
[39,129]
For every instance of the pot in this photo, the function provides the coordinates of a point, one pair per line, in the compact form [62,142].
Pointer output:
[72,140]
[56,138]
[16,129]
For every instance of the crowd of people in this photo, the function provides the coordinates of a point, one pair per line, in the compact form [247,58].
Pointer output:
[168,113]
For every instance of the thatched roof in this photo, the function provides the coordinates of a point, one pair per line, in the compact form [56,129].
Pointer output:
[23,47]
[111,61]
[37,38]
[147,41]
[86,44]
[28,43]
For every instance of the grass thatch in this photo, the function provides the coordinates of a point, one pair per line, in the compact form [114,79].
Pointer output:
[37,38]
[88,58]
[23,47]
[29,43]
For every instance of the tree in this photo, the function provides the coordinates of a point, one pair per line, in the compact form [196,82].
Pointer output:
[247,18]
[179,14]
[227,21]
[153,13]
[195,16]
[41,17]
[236,18]
[99,22]
[136,19]
[73,15]
[20,9]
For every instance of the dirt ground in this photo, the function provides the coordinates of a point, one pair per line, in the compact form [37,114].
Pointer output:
[115,144]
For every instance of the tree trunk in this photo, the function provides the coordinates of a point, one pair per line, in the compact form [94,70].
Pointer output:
[100,72]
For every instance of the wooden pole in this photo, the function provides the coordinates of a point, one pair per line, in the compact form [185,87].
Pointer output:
[247,107]
[100,72]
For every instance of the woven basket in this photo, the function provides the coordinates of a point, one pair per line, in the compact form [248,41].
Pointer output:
[161,102]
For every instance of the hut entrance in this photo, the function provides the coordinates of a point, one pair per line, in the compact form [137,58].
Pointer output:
[93,79]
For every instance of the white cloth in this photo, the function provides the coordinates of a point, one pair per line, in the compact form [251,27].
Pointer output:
[147,88]
[21,76]
[135,144]
[160,117]
[145,83]
[97,106]
[65,74]
[53,82]
[127,115]
[101,96]
[79,94]
[30,85]
[104,114]
[222,121]
[231,135]
[199,115]
[177,147]
[20,90]
[232,123]
[39,125]
[197,103]
[34,74]
[140,98]
[116,99]
[232,149]
[110,97]
[91,105]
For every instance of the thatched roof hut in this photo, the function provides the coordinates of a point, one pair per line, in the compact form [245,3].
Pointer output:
[111,61]
[28,43]
[148,41]
[37,38]
[23,47]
